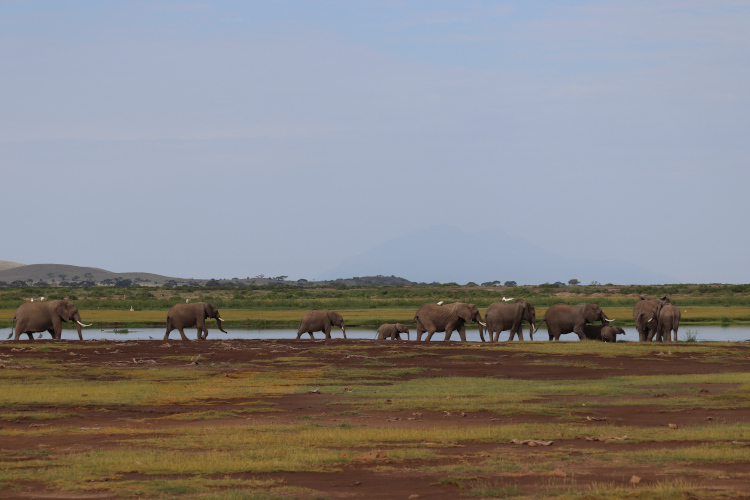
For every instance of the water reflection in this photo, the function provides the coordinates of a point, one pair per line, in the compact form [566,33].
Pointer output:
[702,334]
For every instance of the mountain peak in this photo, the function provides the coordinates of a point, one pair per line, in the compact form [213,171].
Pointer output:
[447,254]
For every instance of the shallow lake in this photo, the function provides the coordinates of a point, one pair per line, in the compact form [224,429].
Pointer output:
[703,333]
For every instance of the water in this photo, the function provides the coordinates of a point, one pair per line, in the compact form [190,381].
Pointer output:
[704,333]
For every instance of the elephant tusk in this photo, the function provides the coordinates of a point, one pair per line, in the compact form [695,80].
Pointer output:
[608,320]
[219,319]
[483,324]
[81,323]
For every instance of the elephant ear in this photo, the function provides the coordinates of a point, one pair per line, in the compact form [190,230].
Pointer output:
[335,317]
[464,312]
[211,310]
[62,310]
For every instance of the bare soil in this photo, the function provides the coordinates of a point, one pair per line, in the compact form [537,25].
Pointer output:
[380,477]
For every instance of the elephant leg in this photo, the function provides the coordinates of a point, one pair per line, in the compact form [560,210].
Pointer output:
[51,333]
[166,335]
[429,335]
[520,334]
[182,334]
[462,333]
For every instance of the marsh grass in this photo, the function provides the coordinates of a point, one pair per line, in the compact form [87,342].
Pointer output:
[32,415]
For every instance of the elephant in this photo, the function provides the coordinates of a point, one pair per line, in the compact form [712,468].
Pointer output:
[501,316]
[433,318]
[605,333]
[186,315]
[562,318]
[669,320]
[33,317]
[646,316]
[392,331]
[320,321]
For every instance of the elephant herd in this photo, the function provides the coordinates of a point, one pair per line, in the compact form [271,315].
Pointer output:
[655,319]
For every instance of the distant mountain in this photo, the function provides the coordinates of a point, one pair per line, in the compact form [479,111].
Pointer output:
[447,254]
[6,264]
[67,275]
[57,273]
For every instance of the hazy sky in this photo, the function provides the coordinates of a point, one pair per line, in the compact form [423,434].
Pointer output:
[235,138]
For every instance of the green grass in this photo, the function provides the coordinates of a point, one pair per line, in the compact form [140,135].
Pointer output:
[178,458]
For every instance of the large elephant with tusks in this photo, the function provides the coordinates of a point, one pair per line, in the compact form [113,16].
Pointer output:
[33,317]
[446,318]
[320,321]
[562,318]
[646,316]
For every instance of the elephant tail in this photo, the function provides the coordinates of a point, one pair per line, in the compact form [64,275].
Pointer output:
[12,326]
[544,320]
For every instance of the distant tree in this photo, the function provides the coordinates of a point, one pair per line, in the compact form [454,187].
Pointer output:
[559,283]
[510,283]
[88,275]
[470,283]
[170,283]
[76,278]
[121,283]
[213,282]
[3,283]
[18,283]
[594,283]
[492,283]
[62,276]
[574,282]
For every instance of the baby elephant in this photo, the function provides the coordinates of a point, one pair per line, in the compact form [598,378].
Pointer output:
[605,333]
[389,330]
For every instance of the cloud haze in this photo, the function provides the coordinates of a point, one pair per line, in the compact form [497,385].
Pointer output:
[223,139]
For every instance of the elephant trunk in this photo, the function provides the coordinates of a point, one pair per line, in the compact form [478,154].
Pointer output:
[532,329]
[79,325]
[218,322]
[343,330]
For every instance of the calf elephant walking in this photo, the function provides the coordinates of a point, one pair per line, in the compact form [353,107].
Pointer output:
[186,315]
[605,333]
[392,331]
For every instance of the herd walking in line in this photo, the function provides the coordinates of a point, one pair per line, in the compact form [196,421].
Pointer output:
[655,319]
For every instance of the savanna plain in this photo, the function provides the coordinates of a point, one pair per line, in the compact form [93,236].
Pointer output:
[363,419]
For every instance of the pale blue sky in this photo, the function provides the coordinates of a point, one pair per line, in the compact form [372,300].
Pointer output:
[223,139]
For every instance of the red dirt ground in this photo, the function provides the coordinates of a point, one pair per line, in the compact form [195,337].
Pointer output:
[406,478]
